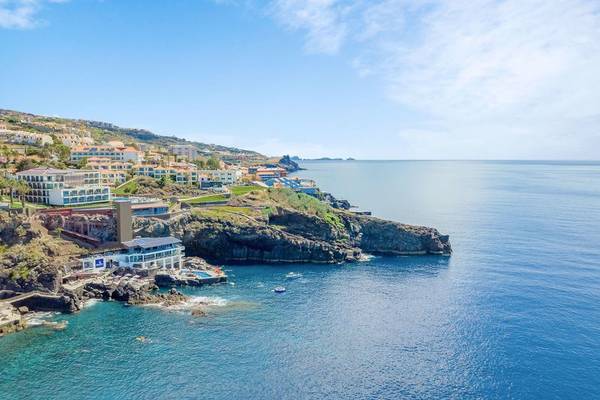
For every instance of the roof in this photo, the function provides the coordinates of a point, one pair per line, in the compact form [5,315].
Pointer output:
[141,206]
[52,171]
[146,243]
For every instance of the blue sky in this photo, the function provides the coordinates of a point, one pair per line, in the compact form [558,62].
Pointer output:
[376,79]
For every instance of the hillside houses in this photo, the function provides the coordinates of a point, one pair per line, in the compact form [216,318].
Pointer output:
[125,153]
[23,137]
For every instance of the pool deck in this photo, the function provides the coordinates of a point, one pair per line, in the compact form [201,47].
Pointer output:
[187,277]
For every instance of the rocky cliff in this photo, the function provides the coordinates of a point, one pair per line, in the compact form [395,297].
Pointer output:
[30,258]
[288,164]
[278,226]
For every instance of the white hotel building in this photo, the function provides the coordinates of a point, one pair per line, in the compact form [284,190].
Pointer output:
[140,254]
[64,187]
[114,153]
[225,176]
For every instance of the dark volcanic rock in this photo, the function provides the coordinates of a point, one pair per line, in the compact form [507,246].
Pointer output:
[288,164]
[378,236]
[291,236]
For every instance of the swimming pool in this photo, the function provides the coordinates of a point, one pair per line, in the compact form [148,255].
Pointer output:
[202,274]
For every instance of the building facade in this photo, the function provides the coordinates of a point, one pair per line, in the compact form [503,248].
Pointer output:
[140,254]
[111,172]
[64,187]
[74,140]
[182,173]
[224,176]
[111,152]
[307,186]
[22,137]
[187,151]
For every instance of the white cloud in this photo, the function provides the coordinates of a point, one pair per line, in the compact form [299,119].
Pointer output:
[323,21]
[526,70]
[22,14]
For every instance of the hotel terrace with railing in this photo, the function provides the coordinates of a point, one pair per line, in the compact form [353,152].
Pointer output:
[140,254]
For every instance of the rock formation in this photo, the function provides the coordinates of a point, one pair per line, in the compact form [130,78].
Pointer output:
[292,230]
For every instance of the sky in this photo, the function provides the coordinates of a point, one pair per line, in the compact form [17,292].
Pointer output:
[368,79]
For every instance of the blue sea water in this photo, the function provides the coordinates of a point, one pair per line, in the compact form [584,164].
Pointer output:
[513,314]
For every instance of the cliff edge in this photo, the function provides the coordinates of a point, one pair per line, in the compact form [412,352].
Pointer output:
[279,225]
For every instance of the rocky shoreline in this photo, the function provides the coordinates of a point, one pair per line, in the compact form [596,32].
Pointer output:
[267,226]
[287,235]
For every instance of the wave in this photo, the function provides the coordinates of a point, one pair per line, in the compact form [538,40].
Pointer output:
[39,318]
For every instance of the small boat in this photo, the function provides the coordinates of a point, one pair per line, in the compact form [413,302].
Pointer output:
[279,289]
[293,275]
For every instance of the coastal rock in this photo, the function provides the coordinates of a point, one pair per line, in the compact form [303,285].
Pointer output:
[291,235]
[376,236]
[288,164]
[10,320]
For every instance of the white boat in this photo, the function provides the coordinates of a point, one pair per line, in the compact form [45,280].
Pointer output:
[293,275]
[279,289]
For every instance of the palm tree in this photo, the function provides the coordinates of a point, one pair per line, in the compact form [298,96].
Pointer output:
[22,189]
[11,184]
[3,185]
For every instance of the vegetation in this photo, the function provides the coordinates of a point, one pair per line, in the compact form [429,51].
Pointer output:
[235,214]
[103,132]
[235,191]
[299,202]
[213,198]
[242,190]
[213,163]
[127,188]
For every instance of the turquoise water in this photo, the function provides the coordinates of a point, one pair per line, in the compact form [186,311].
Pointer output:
[514,313]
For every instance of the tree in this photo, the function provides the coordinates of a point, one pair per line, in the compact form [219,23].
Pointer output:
[213,163]
[25,164]
[22,189]
[82,162]
[3,184]
[164,181]
[200,164]
[11,184]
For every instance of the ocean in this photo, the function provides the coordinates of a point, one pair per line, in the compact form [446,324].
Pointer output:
[514,313]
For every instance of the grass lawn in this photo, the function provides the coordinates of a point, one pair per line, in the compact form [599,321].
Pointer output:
[129,187]
[227,212]
[17,203]
[235,191]
[242,190]
[207,199]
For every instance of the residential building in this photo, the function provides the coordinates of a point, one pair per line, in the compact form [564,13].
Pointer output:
[114,153]
[225,176]
[111,172]
[74,140]
[103,163]
[307,186]
[264,173]
[183,173]
[64,187]
[187,151]
[112,177]
[140,254]
[149,208]
[22,137]
[144,206]
[115,143]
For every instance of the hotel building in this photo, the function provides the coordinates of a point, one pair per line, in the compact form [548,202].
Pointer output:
[182,173]
[64,187]
[224,176]
[114,153]
[140,254]
[188,151]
